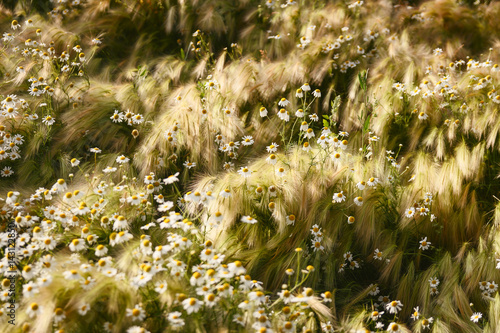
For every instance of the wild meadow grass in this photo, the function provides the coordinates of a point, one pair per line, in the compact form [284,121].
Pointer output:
[249,166]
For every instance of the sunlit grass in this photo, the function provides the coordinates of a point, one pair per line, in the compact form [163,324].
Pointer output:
[250,166]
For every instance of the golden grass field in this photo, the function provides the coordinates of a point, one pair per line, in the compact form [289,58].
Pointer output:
[249,166]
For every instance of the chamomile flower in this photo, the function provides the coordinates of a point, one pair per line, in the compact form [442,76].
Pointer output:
[101,250]
[422,116]
[34,310]
[290,219]
[71,275]
[245,172]
[189,165]
[137,313]
[30,289]
[77,244]
[358,201]
[283,102]
[377,255]
[15,24]
[109,169]
[476,316]
[191,305]
[122,159]
[212,84]
[353,264]
[492,287]
[409,212]
[304,126]
[336,157]
[171,179]
[248,219]
[339,197]
[175,319]
[210,300]
[348,256]
[272,148]
[433,282]
[374,291]
[161,287]
[272,159]
[288,327]
[309,133]
[424,244]
[306,87]
[299,113]
[49,120]
[394,306]
[416,314]
[316,246]
[284,115]
[116,117]
[426,322]
[280,172]
[226,193]
[394,328]
[263,112]
[375,315]
[83,309]
[6,172]
[361,185]
[59,315]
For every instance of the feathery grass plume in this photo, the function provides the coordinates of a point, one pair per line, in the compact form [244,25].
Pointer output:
[494,311]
